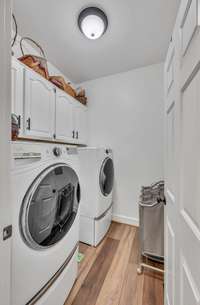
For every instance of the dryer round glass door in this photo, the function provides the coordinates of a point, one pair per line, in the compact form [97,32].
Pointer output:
[106,178]
[50,206]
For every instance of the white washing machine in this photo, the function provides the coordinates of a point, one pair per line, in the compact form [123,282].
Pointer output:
[45,207]
[97,179]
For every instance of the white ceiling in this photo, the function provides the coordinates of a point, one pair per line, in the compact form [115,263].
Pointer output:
[138,34]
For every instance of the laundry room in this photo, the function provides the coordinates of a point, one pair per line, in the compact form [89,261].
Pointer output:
[99,122]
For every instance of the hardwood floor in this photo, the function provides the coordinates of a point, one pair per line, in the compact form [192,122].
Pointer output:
[108,273]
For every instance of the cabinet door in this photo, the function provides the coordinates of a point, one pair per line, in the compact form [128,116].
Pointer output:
[64,117]
[39,106]
[17,85]
[80,123]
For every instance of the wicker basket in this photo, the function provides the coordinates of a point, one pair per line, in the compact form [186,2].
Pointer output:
[14,127]
[82,99]
[81,95]
[37,63]
[59,81]
[70,90]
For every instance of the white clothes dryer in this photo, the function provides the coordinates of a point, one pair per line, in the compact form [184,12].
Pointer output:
[45,211]
[97,180]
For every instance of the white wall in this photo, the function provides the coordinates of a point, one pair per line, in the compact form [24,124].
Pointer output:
[126,114]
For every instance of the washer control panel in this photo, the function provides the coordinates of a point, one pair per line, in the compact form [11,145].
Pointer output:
[57,151]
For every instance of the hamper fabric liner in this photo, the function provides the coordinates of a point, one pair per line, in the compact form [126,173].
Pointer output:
[151,212]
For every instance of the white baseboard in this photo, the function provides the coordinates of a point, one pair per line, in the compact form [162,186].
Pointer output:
[127,220]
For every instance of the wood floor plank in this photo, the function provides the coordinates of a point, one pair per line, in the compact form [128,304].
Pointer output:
[132,290]
[83,248]
[116,230]
[84,268]
[111,290]
[140,285]
[104,281]
[133,259]
[93,282]
[153,289]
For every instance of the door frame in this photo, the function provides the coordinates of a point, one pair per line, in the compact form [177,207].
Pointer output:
[5,106]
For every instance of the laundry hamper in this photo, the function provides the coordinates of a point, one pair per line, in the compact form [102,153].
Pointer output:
[151,229]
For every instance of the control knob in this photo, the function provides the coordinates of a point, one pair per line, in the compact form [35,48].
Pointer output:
[57,151]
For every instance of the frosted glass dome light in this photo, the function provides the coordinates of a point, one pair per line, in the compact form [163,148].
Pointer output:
[92,22]
[92,26]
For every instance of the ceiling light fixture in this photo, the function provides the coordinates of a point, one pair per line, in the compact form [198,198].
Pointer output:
[92,22]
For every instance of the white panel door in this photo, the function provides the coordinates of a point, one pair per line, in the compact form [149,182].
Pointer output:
[39,106]
[189,178]
[190,194]
[65,130]
[170,178]
[5,110]
[17,86]
[80,115]
[170,207]
[182,120]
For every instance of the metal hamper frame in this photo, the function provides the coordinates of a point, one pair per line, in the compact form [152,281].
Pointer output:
[152,201]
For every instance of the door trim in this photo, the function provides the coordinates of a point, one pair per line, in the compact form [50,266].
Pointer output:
[5,130]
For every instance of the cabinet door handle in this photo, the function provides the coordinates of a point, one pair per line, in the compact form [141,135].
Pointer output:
[77,135]
[28,123]
[19,121]
[73,134]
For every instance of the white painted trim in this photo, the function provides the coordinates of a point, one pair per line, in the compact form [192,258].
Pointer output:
[126,220]
[5,131]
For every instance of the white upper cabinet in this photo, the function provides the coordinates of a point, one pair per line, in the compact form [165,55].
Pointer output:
[39,106]
[17,74]
[80,118]
[70,119]
[64,117]
[43,111]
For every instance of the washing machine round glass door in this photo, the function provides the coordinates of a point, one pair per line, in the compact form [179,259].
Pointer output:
[106,177]
[50,206]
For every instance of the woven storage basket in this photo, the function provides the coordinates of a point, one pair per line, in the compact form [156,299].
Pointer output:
[59,81]
[81,96]
[70,90]
[37,63]
[82,99]
[14,127]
